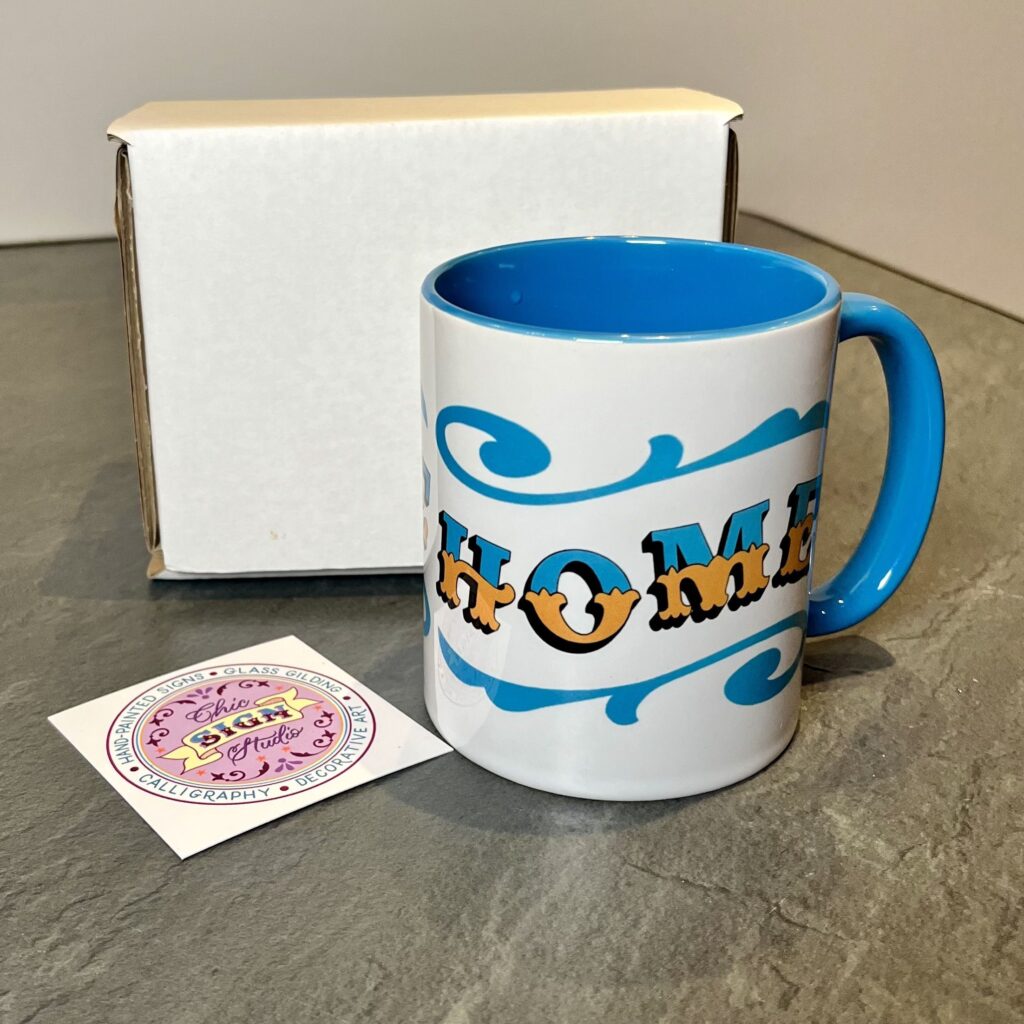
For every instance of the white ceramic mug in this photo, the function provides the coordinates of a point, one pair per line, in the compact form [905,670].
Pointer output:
[623,444]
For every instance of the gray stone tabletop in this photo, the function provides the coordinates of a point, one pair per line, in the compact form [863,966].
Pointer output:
[874,873]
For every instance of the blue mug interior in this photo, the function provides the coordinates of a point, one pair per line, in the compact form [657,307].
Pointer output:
[631,288]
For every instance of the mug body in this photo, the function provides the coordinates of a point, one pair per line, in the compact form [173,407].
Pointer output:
[622,451]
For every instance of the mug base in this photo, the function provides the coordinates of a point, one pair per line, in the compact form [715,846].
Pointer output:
[624,790]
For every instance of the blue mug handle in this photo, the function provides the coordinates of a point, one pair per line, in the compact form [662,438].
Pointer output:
[913,464]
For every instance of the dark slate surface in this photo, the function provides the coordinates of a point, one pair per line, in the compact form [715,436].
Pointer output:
[873,873]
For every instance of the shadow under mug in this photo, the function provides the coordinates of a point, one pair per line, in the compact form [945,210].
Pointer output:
[623,441]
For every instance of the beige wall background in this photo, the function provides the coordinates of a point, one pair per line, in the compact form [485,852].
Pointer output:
[893,129]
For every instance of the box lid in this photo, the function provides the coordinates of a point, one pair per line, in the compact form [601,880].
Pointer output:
[228,114]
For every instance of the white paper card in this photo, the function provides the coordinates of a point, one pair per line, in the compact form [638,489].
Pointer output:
[228,744]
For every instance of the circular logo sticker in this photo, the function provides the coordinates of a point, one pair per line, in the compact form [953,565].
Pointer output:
[240,734]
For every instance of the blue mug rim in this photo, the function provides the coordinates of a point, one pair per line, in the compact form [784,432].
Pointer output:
[830,299]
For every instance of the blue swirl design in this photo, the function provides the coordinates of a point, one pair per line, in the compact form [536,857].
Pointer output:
[426,611]
[515,452]
[751,683]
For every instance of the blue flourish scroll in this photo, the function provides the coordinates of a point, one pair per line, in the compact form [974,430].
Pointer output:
[752,683]
[513,451]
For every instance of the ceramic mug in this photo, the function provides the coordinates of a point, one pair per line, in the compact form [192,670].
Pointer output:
[622,454]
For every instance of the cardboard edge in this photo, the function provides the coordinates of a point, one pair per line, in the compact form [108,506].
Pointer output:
[193,115]
[730,205]
[124,222]
[158,570]
[157,567]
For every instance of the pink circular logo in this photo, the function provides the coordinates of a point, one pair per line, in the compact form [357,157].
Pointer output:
[239,734]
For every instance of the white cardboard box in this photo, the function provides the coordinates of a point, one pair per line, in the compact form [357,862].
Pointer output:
[273,253]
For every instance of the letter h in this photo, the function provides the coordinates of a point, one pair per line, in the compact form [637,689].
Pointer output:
[483,576]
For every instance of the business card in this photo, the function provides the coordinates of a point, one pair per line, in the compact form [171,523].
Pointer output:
[223,746]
